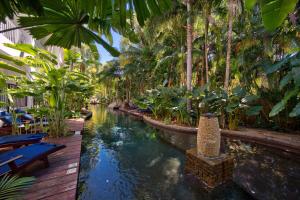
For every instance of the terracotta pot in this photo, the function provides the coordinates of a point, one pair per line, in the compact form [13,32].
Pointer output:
[208,136]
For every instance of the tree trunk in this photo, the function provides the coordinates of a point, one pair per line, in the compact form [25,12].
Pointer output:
[206,16]
[189,53]
[198,72]
[202,83]
[227,72]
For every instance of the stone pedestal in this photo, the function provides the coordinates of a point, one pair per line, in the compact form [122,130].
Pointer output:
[208,136]
[211,171]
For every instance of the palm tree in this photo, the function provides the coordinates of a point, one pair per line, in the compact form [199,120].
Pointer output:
[79,21]
[229,38]
[189,58]
[206,11]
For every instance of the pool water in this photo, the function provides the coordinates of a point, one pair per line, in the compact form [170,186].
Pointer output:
[124,158]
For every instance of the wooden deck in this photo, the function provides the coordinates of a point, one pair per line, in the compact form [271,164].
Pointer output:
[75,125]
[59,181]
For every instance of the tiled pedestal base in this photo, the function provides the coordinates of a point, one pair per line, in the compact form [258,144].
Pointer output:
[212,172]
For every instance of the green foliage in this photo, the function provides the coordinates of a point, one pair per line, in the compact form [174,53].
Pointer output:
[56,89]
[274,12]
[11,8]
[11,68]
[290,81]
[79,21]
[166,103]
[218,101]
[12,187]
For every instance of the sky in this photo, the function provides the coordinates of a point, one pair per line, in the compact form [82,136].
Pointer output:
[104,55]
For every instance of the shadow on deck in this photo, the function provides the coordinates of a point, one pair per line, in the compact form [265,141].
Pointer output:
[59,180]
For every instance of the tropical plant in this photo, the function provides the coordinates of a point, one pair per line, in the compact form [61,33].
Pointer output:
[273,12]
[219,102]
[12,187]
[159,59]
[50,84]
[80,21]
[289,83]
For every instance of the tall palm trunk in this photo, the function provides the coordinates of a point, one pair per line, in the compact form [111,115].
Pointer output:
[229,38]
[189,53]
[206,16]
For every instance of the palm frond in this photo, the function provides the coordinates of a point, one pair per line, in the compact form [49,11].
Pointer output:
[12,187]
[11,68]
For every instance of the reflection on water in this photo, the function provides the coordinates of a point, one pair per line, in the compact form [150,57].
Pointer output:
[123,158]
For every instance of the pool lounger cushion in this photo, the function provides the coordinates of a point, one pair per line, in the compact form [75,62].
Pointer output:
[26,116]
[17,159]
[8,120]
[20,140]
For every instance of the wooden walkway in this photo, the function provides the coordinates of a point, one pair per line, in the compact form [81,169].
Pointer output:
[59,181]
[75,124]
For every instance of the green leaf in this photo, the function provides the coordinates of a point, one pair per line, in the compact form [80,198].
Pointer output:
[27,48]
[154,8]
[295,62]
[273,68]
[296,111]
[285,80]
[2,103]
[11,8]
[254,110]
[281,105]
[249,98]
[277,108]
[296,75]
[122,7]
[249,4]
[2,83]
[12,187]
[11,68]
[274,12]
[141,10]
[12,59]
[10,98]
[52,100]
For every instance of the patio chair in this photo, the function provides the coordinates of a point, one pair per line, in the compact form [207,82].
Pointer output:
[16,141]
[15,160]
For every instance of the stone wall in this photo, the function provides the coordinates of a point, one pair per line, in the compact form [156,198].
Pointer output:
[212,172]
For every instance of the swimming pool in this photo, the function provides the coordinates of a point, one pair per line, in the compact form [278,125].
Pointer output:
[124,158]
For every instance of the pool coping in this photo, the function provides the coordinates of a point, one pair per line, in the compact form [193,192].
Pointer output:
[277,140]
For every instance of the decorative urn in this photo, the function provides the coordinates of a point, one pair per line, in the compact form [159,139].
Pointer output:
[208,136]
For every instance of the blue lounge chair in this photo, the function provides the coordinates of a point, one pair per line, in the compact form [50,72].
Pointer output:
[16,141]
[17,159]
[20,111]
[8,120]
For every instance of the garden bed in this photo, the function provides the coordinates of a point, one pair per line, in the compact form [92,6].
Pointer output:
[277,140]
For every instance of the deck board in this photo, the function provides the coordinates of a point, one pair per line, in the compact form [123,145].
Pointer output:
[59,180]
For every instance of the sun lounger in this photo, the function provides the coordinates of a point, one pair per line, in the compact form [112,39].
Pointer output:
[20,140]
[17,159]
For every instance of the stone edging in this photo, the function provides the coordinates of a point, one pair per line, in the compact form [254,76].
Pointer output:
[257,136]
[175,128]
